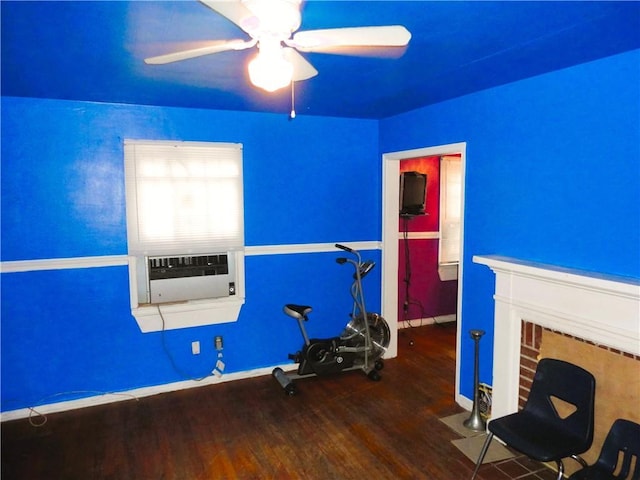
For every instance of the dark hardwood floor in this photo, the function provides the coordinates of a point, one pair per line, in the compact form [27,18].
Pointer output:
[342,427]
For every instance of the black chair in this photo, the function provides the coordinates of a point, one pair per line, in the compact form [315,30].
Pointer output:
[616,457]
[539,431]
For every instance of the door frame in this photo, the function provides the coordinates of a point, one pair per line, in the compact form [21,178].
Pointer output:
[390,209]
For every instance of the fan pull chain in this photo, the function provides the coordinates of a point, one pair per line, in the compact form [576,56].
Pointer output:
[292,115]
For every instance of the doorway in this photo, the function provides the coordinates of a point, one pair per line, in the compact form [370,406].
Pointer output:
[390,210]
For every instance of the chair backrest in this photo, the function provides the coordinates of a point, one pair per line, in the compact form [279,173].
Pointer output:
[624,437]
[557,379]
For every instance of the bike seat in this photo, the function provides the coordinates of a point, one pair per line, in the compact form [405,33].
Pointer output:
[297,311]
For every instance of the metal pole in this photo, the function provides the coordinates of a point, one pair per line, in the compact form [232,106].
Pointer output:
[475,421]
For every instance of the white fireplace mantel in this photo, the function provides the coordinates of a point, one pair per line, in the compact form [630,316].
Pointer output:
[600,308]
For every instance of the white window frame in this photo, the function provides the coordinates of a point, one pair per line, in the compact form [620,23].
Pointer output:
[199,240]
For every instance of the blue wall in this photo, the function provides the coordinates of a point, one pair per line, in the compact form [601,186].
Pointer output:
[313,180]
[552,175]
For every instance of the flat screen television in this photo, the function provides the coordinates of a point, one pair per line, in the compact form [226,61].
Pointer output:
[413,193]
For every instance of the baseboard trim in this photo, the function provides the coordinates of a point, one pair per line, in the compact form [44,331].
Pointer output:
[464,402]
[420,322]
[136,394]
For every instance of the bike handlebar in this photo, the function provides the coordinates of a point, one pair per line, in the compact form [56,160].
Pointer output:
[361,268]
[342,247]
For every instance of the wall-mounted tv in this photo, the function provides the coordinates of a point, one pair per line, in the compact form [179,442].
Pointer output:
[413,193]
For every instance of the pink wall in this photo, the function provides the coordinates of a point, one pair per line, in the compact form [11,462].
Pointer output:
[428,296]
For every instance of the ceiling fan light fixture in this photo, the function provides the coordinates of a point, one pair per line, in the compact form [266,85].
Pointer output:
[269,70]
[273,27]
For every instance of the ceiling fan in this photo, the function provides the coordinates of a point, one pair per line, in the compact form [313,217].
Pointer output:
[272,26]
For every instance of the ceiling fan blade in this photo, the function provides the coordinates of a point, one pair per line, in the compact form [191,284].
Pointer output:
[319,40]
[385,52]
[235,11]
[302,69]
[213,47]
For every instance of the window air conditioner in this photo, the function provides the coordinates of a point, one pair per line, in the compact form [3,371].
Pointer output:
[181,278]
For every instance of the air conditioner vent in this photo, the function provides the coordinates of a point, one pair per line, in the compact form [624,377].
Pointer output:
[180,267]
[180,278]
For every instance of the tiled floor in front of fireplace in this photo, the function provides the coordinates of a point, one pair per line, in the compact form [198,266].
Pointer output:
[517,468]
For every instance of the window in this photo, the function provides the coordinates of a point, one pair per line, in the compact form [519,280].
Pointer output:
[450,212]
[184,205]
[184,197]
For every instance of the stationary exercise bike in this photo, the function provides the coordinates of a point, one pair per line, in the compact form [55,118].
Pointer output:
[361,344]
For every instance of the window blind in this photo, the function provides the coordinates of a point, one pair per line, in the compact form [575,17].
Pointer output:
[183,197]
[450,209]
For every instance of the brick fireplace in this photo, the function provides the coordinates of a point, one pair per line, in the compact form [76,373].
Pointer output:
[531,351]
[596,308]
[590,319]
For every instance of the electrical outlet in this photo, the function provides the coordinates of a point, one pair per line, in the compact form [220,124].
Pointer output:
[195,347]
[218,342]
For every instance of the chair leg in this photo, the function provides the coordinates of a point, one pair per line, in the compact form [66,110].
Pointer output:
[560,469]
[483,452]
[580,460]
